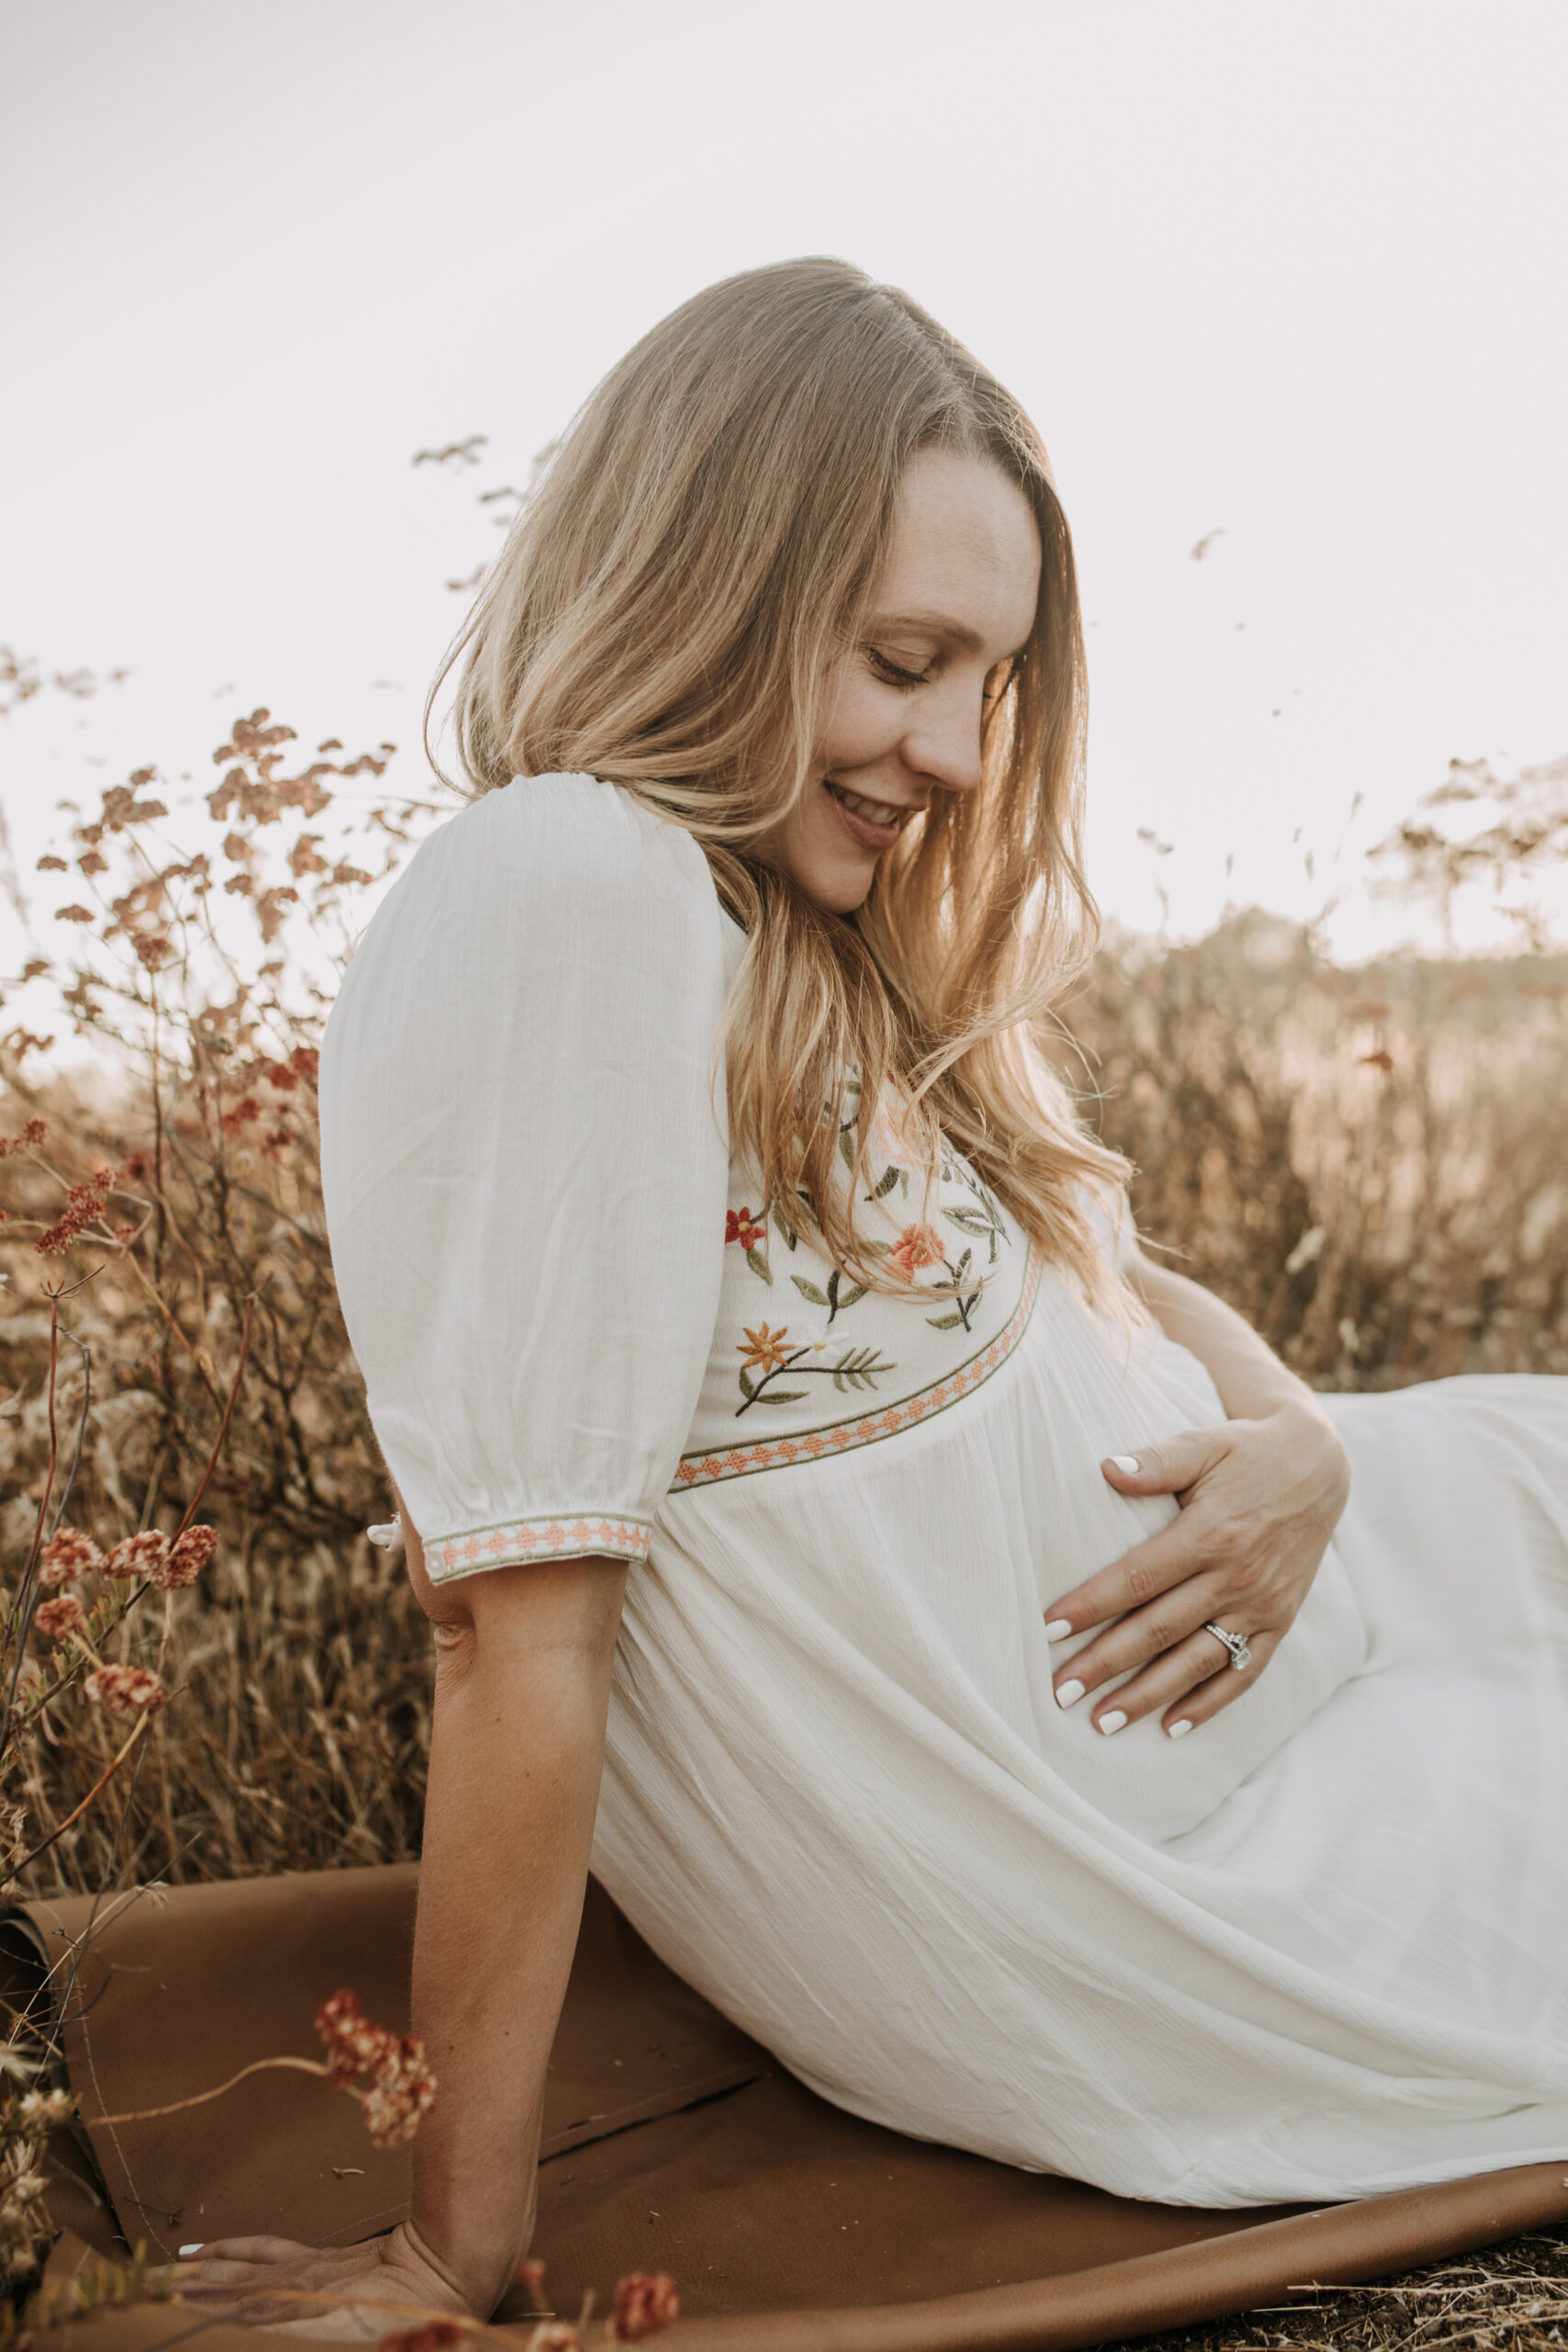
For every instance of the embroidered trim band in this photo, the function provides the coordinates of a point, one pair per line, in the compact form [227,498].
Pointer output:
[536,1538]
[865,1428]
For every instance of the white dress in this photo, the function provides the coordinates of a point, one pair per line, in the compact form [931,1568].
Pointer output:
[1317,1949]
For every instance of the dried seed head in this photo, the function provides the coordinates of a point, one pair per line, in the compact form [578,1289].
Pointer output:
[126,1689]
[645,2301]
[188,1555]
[68,1553]
[139,1556]
[65,1614]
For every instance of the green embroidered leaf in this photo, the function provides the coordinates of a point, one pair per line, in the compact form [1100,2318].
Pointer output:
[859,1369]
[757,1259]
[748,1385]
[970,1221]
[946,1322]
[853,1296]
[789,1237]
[808,1290]
[963,1266]
[880,1248]
[886,1182]
[847,1147]
[781,1396]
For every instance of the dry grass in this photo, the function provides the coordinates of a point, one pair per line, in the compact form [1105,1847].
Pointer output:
[1372,1165]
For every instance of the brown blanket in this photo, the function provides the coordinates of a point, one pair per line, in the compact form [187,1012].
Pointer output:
[672,2142]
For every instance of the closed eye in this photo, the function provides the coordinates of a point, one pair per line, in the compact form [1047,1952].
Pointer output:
[892,673]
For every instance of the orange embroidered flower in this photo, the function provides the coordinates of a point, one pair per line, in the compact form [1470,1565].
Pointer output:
[739,1225]
[762,1348]
[917,1246]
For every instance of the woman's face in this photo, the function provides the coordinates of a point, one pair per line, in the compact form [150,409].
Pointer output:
[954,601]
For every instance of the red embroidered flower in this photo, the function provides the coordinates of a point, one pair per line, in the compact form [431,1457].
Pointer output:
[917,1246]
[739,1225]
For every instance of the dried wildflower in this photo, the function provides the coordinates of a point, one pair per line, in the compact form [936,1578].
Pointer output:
[65,1614]
[306,1060]
[84,1204]
[917,1246]
[531,2274]
[188,1555]
[280,1075]
[32,1135]
[52,866]
[739,1225]
[153,949]
[645,2301]
[276,1142]
[74,914]
[138,1168]
[241,1116]
[402,2088]
[436,2335]
[68,1553]
[126,1689]
[35,967]
[139,1556]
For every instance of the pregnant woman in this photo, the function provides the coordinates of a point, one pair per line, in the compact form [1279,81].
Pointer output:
[964,1652]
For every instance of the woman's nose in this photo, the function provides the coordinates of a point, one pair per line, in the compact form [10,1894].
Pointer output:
[944,740]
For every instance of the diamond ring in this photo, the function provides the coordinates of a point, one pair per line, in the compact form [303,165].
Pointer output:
[1236,1643]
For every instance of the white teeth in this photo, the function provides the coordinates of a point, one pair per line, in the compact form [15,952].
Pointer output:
[875,812]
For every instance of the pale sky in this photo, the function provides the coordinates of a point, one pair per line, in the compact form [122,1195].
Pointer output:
[1290,273]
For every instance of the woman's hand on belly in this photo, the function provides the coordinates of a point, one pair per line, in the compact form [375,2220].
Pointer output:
[1260,1499]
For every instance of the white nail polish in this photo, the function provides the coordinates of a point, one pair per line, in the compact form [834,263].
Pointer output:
[1069,1694]
[187,2251]
[1057,1630]
[1113,1721]
[1179,1730]
[1126,1463]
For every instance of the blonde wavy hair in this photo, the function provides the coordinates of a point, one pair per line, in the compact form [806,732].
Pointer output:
[668,614]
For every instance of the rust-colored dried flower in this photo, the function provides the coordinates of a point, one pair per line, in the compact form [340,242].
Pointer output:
[188,1555]
[126,1689]
[68,1553]
[306,1060]
[279,1074]
[83,1205]
[436,2335]
[153,949]
[65,1614]
[35,967]
[52,864]
[402,2090]
[243,1112]
[74,914]
[645,2301]
[139,1556]
[138,1168]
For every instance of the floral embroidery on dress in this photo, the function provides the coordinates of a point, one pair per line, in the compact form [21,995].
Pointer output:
[769,1351]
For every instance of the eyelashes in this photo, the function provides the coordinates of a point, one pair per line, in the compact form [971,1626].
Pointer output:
[892,674]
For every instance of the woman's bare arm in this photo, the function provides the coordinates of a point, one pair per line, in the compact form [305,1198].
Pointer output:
[522,1664]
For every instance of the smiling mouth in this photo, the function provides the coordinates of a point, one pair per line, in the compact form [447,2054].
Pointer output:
[880,816]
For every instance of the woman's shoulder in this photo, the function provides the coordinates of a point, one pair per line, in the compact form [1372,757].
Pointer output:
[556,856]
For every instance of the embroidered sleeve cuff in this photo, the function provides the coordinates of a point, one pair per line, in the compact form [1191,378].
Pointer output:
[514,1540]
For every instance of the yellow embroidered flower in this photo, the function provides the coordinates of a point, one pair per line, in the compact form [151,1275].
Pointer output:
[764,1348]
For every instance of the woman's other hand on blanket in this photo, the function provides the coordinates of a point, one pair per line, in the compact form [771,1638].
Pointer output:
[339,2294]
[1259,1501]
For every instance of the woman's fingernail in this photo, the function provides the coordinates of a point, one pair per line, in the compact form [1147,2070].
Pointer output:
[1126,1463]
[1178,1730]
[1113,1721]
[1058,1629]
[185,2251]
[1069,1694]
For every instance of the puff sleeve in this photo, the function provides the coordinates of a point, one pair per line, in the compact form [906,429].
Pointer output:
[524,1163]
